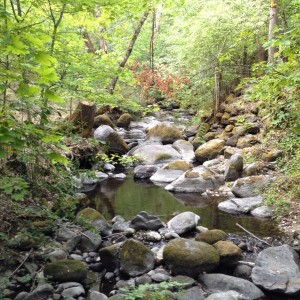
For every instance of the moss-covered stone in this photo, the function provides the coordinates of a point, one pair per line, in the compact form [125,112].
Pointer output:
[103,120]
[164,133]
[162,156]
[203,129]
[272,155]
[196,142]
[210,136]
[229,253]
[209,150]
[211,236]
[191,258]
[124,120]
[136,258]
[90,214]
[65,270]
[109,256]
[179,165]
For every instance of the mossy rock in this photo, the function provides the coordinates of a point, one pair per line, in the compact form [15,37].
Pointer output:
[209,150]
[203,129]
[109,256]
[124,120]
[272,155]
[136,258]
[211,236]
[102,110]
[191,258]
[164,133]
[229,253]
[90,214]
[116,144]
[103,120]
[210,136]
[179,165]
[65,270]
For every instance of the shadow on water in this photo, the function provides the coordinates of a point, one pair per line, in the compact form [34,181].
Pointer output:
[127,198]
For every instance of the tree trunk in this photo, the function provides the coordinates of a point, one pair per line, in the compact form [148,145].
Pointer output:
[152,40]
[83,118]
[129,50]
[88,42]
[272,25]
[261,53]
[218,77]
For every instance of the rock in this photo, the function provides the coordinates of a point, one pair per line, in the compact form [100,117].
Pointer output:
[197,180]
[124,120]
[233,140]
[109,167]
[191,130]
[211,236]
[64,234]
[230,295]
[90,241]
[144,279]
[209,136]
[144,172]
[229,253]
[144,221]
[263,212]
[120,176]
[197,142]
[220,282]
[242,271]
[66,271]
[152,236]
[272,155]
[185,282]
[21,296]
[76,257]
[249,186]
[225,118]
[42,292]
[103,119]
[209,150]
[164,133]
[188,257]
[103,226]
[194,293]
[109,256]
[120,226]
[166,175]
[71,289]
[229,128]
[247,141]
[89,214]
[244,129]
[184,222]
[108,135]
[253,169]
[156,154]
[240,205]
[185,149]
[234,167]
[57,254]
[135,258]
[94,295]
[277,270]
[117,297]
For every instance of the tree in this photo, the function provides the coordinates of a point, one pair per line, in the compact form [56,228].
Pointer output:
[272,29]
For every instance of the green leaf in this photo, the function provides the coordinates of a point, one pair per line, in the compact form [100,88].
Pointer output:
[57,158]
[52,96]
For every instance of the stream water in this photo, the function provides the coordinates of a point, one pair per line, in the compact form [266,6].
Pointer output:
[127,198]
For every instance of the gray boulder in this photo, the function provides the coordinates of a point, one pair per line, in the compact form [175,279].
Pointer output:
[90,241]
[42,292]
[94,295]
[156,154]
[250,186]
[109,256]
[234,167]
[223,283]
[240,205]
[198,180]
[166,175]
[144,221]
[194,293]
[144,172]
[186,149]
[136,258]
[230,295]
[189,257]
[277,270]
[263,212]
[184,222]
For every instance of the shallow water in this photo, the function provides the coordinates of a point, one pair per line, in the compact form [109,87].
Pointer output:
[127,198]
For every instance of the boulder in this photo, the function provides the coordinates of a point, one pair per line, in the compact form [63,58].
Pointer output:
[184,222]
[197,142]
[124,120]
[194,293]
[272,155]
[191,258]
[209,150]
[234,167]
[250,186]
[164,133]
[136,258]
[109,256]
[144,172]
[244,129]
[230,295]
[253,169]
[90,241]
[156,154]
[247,141]
[144,221]
[240,205]
[94,295]
[263,212]
[185,149]
[66,271]
[166,175]
[233,140]
[229,253]
[103,120]
[105,133]
[89,214]
[223,283]
[277,270]
[211,236]
[191,130]
[211,135]
[198,180]
[42,292]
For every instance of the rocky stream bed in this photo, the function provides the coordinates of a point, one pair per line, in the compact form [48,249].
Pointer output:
[177,255]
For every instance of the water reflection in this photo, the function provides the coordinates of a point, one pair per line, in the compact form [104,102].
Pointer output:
[129,197]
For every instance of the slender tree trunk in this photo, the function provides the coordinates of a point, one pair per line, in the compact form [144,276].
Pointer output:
[261,53]
[103,44]
[88,42]
[152,40]
[245,62]
[218,77]
[129,50]
[272,26]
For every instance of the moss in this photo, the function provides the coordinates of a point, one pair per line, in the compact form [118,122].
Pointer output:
[66,271]
[166,133]
[229,253]
[179,165]
[124,120]
[90,214]
[203,129]
[116,143]
[103,120]
[211,236]
[162,156]
[109,257]
[192,174]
